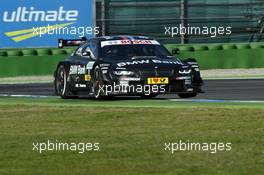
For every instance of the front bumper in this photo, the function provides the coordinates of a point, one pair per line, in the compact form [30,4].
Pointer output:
[139,86]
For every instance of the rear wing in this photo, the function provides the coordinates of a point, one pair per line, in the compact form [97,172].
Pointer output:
[71,42]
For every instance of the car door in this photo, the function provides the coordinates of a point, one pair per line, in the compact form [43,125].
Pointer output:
[82,65]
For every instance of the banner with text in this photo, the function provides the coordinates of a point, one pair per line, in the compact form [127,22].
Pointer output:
[38,23]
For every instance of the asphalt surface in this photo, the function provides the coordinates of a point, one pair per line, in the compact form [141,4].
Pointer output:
[214,90]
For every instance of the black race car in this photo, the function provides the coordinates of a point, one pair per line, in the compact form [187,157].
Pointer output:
[124,65]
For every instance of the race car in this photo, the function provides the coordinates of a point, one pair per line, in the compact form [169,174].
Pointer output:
[110,66]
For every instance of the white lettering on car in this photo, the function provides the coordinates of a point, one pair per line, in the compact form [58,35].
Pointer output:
[77,69]
[121,64]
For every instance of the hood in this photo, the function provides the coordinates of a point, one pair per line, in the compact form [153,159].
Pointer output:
[142,63]
[154,66]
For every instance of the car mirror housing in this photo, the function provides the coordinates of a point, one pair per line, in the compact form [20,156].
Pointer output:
[175,51]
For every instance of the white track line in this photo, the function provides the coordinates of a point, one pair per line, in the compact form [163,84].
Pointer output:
[175,100]
[215,100]
[27,96]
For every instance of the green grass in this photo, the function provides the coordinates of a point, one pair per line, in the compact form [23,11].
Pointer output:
[131,134]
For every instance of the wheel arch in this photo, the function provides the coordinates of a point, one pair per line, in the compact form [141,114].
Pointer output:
[64,63]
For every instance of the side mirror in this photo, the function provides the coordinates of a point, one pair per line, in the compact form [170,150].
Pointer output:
[86,54]
[175,51]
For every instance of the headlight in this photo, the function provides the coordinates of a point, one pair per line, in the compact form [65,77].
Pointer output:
[185,71]
[123,72]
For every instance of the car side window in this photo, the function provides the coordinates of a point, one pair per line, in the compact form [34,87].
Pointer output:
[92,48]
[79,51]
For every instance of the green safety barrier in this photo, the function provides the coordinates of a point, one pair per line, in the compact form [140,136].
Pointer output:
[43,61]
[31,62]
[28,66]
[222,56]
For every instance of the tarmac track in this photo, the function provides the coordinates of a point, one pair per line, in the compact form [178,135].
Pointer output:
[240,89]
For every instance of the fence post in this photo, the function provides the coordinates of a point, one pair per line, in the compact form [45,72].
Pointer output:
[184,20]
[103,11]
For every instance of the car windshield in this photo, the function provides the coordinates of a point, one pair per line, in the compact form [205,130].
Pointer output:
[132,51]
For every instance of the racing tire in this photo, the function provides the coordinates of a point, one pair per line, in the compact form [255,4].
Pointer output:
[61,85]
[187,95]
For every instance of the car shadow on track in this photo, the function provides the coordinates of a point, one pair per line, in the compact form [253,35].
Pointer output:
[122,98]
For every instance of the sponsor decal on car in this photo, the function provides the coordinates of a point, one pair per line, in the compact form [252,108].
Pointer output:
[158,80]
[120,68]
[104,65]
[87,77]
[133,63]
[89,65]
[129,79]
[128,42]
[77,69]
[167,61]
[121,64]
[80,85]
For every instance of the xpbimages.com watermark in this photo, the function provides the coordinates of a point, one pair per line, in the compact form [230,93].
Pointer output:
[213,147]
[79,31]
[130,89]
[212,31]
[57,146]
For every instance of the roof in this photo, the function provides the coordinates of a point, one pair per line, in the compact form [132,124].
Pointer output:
[123,37]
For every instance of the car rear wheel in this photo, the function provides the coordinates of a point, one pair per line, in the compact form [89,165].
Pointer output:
[61,85]
[187,95]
